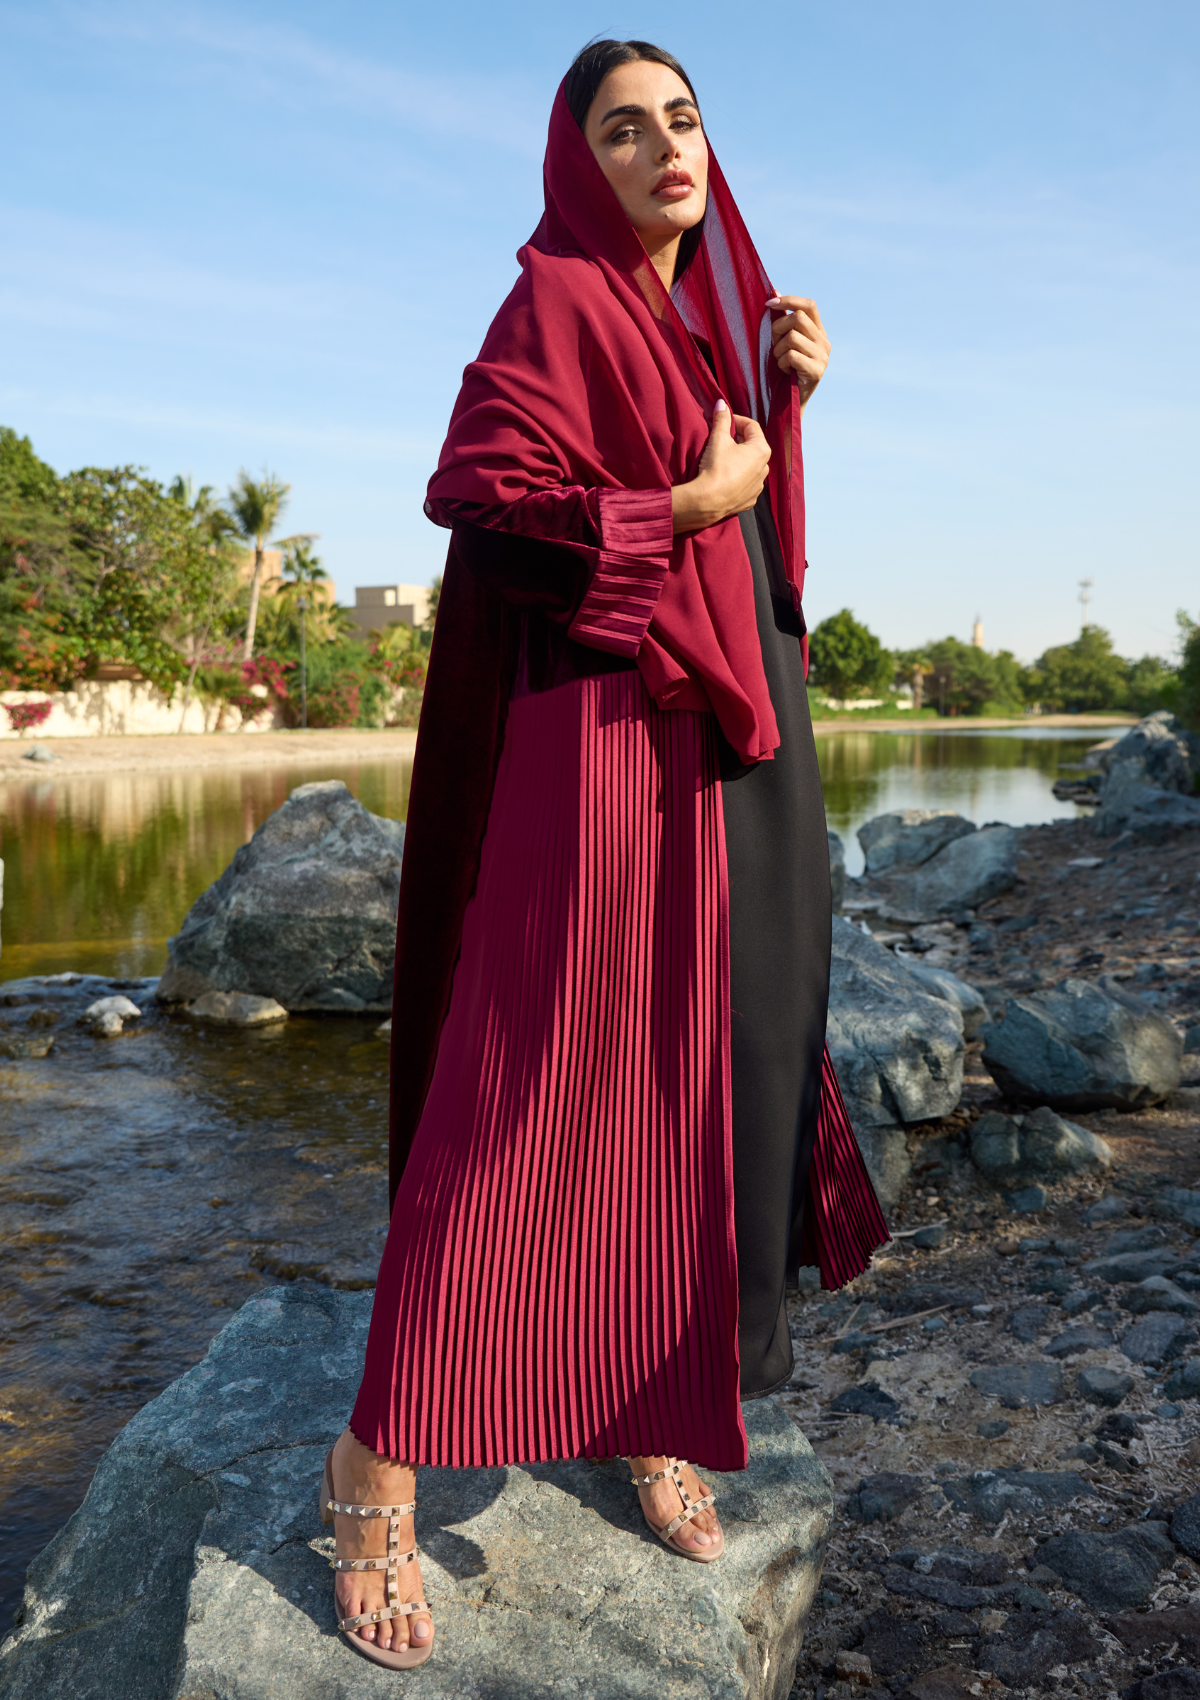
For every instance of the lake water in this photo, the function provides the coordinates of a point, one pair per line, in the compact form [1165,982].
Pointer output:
[99,872]
[150,1184]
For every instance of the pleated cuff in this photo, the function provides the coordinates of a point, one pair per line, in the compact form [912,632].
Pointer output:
[636,538]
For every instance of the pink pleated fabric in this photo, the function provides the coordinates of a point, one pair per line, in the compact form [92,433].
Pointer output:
[560,1278]
[842,1222]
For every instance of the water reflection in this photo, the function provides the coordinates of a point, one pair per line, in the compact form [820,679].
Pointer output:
[99,871]
[986,776]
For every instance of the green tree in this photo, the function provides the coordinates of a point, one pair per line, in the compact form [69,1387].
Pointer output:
[961,679]
[1188,699]
[202,628]
[1076,677]
[1150,683]
[256,506]
[846,659]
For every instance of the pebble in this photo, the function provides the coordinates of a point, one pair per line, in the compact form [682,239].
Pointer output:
[1018,1386]
[1103,1386]
[936,1325]
[1079,1339]
[1028,1198]
[1157,1338]
[993,1430]
[1167,1413]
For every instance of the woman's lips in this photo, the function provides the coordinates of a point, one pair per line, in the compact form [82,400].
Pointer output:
[673,187]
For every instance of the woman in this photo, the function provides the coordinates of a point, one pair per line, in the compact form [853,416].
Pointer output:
[614,1122]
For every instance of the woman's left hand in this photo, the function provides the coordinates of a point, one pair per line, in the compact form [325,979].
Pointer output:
[799,341]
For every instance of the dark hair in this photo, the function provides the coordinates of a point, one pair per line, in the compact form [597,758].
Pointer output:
[589,69]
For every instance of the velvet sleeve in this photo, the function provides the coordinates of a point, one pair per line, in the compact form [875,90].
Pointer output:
[594,559]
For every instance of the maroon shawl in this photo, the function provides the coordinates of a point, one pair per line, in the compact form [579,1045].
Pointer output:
[590,376]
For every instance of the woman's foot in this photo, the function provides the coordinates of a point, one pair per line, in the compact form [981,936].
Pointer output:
[362,1477]
[661,1504]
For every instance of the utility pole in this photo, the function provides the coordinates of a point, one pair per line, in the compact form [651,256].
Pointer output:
[1085,596]
[302,607]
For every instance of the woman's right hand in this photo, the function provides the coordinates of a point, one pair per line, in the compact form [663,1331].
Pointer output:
[732,473]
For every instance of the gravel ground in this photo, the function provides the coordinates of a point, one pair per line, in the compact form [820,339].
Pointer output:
[936,1583]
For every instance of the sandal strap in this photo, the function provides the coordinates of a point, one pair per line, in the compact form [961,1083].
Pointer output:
[673,1466]
[685,1516]
[379,1616]
[372,1563]
[344,1510]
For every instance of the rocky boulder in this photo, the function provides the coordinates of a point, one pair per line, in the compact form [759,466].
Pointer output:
[1149,779]
[197,1567]
[305,913]
[906,838]
[941,983]
[1081,1046]
[897,1050]
[961,876]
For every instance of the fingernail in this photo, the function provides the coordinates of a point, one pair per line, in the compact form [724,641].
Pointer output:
[720,408]
[774,302]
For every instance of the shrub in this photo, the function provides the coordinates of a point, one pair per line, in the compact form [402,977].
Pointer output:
[27,716]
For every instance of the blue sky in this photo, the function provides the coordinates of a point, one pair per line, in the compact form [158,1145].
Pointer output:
[258,234]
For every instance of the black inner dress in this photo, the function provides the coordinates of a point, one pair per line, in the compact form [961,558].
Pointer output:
[780,923]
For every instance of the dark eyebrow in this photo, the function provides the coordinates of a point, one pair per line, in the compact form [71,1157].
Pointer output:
[640,111]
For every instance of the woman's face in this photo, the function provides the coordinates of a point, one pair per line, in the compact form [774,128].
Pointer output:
[644,129]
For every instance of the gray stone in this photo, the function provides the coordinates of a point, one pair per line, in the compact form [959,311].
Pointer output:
[992,1495]
[941,983]
[1185,1383]
[867,1400]
[1010,1148]
[1154,758]
[1157,1338]
[1079,1339]
[1179,1682]
[196,1566]
[882,1497]
[1110,1571]
[1179,1204]
[1167,1413]
[1135,1239]
[1033,1642]
[928,1239]
[236,1009]
[1019,1385]
[1028,1198]
[39,752]
[993,1430]
[962,876]
[1080,1300]
[1191,1040]
[897,1050]
[1157,1293]
[1103,1386]
[1029,1322]
[305,913]
[1185,1526]
[1081,1047]
[16,1047]
[908,837]
[1107,1210]
[1130,1266]
[837,870]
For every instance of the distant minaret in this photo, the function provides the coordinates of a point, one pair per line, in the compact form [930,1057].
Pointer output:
[977,634]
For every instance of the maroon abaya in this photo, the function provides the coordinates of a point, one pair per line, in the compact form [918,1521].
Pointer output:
[614,1121]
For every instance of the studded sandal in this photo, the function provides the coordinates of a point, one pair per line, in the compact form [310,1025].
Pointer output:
[700,1555]
[412,1655]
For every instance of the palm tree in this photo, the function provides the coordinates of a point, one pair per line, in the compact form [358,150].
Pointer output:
[256,507]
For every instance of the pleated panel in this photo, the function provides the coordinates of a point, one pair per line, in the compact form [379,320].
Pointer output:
[843,1223]
[560,1275]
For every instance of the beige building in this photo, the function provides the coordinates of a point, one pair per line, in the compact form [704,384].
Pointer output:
[378,606]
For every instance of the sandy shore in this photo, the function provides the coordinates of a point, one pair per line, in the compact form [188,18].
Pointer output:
[256,749]
[250,749]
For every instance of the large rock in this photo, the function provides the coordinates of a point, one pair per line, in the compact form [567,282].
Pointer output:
[1081,1046]
[897,1050]
[1158,751]
[943,984]
[196,1568]
[908,837]
[304,914]
[1110,1571]
[961,876]
[1146,815]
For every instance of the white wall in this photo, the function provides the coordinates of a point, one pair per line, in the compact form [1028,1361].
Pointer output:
[102,709]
